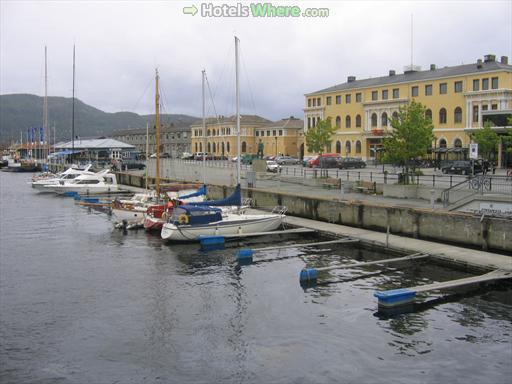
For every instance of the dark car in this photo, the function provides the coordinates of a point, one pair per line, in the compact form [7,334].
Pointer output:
[328,162]
[463,167]
[351,162]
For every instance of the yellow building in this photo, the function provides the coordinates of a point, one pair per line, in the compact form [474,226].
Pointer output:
[221,138]
[458,100]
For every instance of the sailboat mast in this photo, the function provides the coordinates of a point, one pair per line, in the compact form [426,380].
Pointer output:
[157,122]
[147,154]
[73,111]
[204,129]
[45,111]
[237,42]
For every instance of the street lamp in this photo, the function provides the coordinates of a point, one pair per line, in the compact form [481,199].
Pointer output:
[275,137]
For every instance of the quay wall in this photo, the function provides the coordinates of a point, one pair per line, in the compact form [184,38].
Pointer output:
[438,225]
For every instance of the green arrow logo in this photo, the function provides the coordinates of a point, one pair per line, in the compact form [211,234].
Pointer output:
[190,10]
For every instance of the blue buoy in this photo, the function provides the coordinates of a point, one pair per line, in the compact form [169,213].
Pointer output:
[207,241]
[308,275]
[70,193]
[245,255]
[77,197]
[395,297]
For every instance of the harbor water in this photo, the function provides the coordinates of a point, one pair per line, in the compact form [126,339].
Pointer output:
[82,302]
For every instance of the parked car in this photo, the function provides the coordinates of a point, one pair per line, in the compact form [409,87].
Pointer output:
[153,156]
[315,161]
[463,167]
[187,156]
[305,160]
[350,162]
[165,155]
[287,160]
[200,155]
[272,166]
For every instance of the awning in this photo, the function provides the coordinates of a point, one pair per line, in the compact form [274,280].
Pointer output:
[64,153]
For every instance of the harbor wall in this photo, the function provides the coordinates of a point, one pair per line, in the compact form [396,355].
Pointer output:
[438,225]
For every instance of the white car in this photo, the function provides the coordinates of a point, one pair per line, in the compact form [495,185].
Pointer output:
[272,166]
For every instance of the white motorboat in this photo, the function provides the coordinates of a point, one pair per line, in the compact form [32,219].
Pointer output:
[190,222]
[39,183]
[97,183]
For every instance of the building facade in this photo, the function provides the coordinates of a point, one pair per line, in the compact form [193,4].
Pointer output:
[457,99]
[280,137]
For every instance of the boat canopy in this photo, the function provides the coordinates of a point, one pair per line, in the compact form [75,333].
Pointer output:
[200,192]
[193,215]
[234,199]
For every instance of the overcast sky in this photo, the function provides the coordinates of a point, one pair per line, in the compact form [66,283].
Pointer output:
[119,44]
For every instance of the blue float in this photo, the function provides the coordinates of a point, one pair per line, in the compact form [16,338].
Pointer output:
[308,275]
[91,200]
[208,241]
[395,297]
[245,255]
[70,193]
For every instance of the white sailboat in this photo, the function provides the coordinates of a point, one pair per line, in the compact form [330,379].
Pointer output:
[189,223]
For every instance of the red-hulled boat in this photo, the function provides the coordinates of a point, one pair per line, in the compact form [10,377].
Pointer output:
[156,216]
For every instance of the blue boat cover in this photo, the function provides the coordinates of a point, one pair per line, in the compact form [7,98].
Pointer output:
[234,199]
[195,215]
[201,191]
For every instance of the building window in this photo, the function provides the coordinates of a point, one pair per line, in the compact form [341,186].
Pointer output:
[196,148]
[457,115]
[457,143]
[443,88]
[338,99]
[347,147]
[428,90]
[384,94]
[348,99]
[485,84]
[396,93]
[309,124]
[415,91]
[475,113]
[214,148]
[280,132]
[358,121]
[395,115]
[347,121]
[442,116]
[244,146]
[338,122]
[227,146]
[358,146]
[328,100]
[338,147]
[457,86]
[494,106]
[374,120]
[428,114]
[309,102]
[314,102]
[485,107]
[274,132]
[257,133]
[375,95]
[442,143]
[318,103]
[358,97]
[328,147]
[209,147]
[476,85]
[494,83]
[268,132]
[384,119]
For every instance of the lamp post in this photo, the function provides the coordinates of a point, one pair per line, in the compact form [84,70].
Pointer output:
[275,137]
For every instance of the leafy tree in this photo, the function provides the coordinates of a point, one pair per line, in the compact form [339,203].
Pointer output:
[487,139]
[317,138]
[410,138]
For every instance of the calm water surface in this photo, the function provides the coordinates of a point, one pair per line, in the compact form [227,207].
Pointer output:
[81,302]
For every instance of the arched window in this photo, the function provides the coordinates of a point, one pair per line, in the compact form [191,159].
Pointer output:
[384,119]
[196,148]
[428,114]
[358,146]
[358,121]
[347,147]
[214,148]
[244,147]
[222,148]
[347,121]
[374,119]
[338,147]
[395,115]
[442,143]
[457,143]
[200,147]
[338,122]
[209,147]
[442,116]
[227,146]
[208,133]
[457,115]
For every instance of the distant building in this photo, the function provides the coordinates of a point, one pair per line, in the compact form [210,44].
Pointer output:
[282,137]
[174,138]
[101,148]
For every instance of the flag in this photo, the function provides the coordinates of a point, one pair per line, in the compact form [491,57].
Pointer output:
[41,135]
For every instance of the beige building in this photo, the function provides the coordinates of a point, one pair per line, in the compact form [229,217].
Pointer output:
[458,100]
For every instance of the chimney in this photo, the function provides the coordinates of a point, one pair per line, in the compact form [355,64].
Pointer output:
[479,63]
[489,58]
[351,79]
[432,67]
[504,59]
[392,72]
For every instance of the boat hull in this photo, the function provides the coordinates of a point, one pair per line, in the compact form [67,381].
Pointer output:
[153,224]
[234,226]
[131,216]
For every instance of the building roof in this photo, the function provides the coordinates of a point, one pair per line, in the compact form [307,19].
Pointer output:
[99,143]
[412,76]
[289,122]
[244,119]
[166,128]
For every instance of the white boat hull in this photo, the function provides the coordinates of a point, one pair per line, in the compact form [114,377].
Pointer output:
[235,224]
[86,190]
[131,216]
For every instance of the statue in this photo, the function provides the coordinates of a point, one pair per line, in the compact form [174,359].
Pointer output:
[260,150]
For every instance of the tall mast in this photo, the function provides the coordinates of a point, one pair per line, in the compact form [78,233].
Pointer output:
[147,154]
[204,129]
[157,122]
[237,42]
[73,110]
[45,111]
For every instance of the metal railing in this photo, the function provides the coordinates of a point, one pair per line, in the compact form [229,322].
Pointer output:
[476,185]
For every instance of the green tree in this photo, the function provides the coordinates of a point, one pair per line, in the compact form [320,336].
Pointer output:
[410,138]
[317,138]
[487,139]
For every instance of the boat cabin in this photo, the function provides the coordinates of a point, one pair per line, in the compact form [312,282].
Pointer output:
[195,215]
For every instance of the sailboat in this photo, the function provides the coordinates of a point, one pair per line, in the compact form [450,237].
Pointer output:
[191,222]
